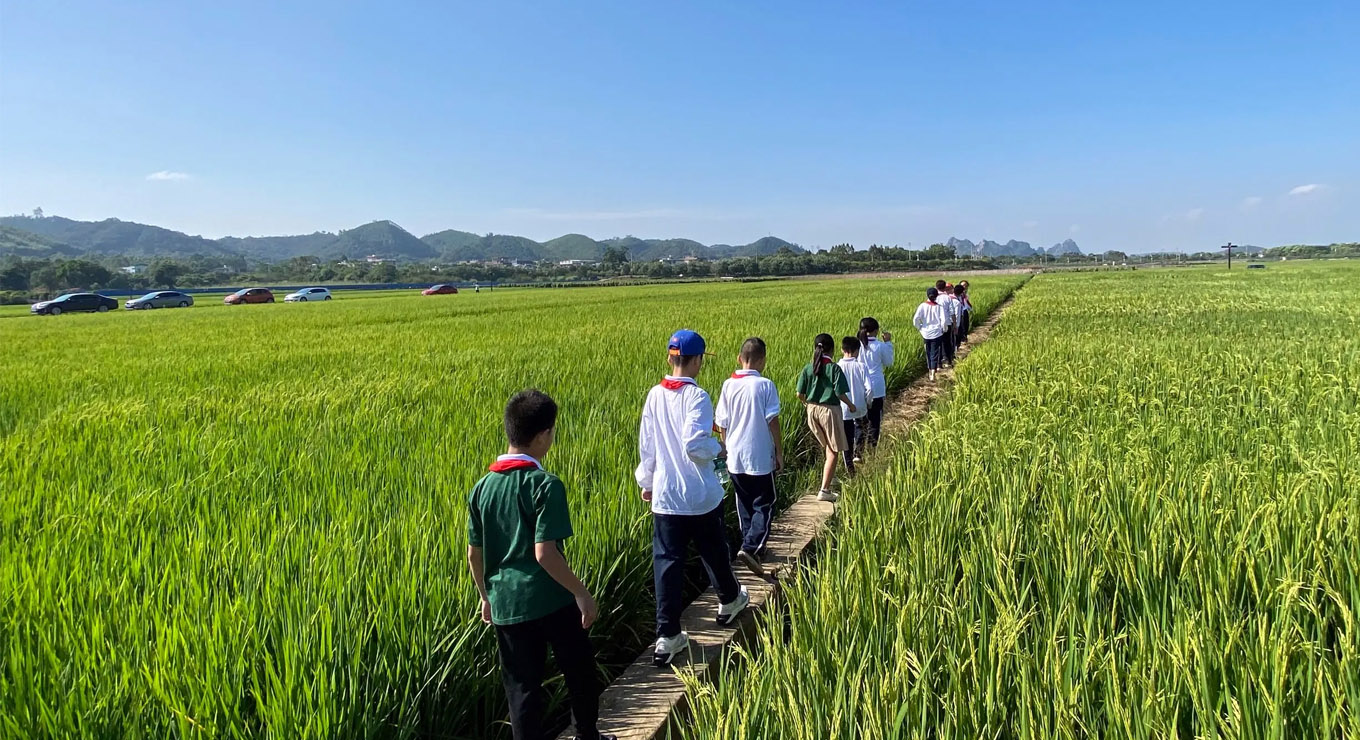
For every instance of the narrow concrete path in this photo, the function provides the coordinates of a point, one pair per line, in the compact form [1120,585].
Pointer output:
[646,702]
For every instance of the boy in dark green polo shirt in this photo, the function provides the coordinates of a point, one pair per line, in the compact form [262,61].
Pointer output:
[517,522]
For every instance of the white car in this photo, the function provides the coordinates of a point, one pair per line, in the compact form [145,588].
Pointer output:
[308,294]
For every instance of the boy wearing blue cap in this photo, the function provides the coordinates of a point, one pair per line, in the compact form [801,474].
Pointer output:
[677,477]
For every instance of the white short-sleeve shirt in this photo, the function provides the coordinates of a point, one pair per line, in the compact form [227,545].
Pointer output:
[746,405]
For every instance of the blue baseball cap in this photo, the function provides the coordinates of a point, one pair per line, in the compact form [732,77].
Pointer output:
[686,343]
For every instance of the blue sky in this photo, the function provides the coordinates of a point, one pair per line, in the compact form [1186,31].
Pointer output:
[1135,126]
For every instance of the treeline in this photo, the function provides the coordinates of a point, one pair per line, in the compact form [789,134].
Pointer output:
[1310,251]
[24,279]
[28,279]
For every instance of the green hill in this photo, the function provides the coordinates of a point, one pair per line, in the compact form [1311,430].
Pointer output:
[56,236]
[275,248]
[573,247]
[381,238]
[112,236]
[22,243]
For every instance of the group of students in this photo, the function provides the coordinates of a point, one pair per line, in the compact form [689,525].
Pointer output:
[943,320]
[518,517]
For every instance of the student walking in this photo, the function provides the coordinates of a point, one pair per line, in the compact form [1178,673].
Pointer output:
[518,519]
[747,416]
[946,302]
[677,477]
[930,321]
[877,355]
[820,385]
[861,390]
[965,313]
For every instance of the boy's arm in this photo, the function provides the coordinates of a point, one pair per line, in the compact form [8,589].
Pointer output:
[647,453]
[842,386]
[845,399]
[478,567]
[772,410]
[475,558]
[553,524]
[777,434]
[700,444]
[550,558]
[720,414]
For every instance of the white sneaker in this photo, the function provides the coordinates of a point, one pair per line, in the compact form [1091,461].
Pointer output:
[827,496]
[856,459]
[727,613]
[667,648]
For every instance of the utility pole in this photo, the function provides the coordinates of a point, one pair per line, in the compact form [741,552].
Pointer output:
[1229,246]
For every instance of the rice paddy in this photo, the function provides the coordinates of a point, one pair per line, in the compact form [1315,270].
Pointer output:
[250,521]
[1136,515]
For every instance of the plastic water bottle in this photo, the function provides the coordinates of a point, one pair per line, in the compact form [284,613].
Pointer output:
[720,467]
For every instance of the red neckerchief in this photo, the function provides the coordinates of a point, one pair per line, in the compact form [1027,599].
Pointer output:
[933,303]
[505,466]
[744,374]
[675,384]
[821,362]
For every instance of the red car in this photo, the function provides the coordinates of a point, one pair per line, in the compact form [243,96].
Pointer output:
[439,290]
[249,295]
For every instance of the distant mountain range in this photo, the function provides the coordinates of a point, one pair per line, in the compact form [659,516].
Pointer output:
[1012,248]
[54,236]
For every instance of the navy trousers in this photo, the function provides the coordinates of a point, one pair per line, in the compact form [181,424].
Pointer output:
[935,352]
[755,510]
[671,538]
[871,425]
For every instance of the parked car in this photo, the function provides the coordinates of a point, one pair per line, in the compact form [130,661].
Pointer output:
[72,302]
[439,290]
[308,294]
[249,295]
[161,299]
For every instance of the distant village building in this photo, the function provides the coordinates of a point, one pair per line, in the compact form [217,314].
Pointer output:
[374,259]
[576,263]
[133,269]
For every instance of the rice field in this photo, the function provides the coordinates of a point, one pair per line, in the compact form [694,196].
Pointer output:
[249,521]
[1137,515]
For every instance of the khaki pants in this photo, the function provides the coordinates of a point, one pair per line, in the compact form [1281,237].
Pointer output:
[825,422]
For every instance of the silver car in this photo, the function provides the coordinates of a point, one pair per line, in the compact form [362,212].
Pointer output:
[161,299]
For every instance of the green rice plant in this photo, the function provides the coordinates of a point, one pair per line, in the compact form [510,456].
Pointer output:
[249,521]
[1137,514]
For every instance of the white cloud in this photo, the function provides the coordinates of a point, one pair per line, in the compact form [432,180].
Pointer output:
[1306,189]
[1194,214]
[1251,202]
[166,175]
[1074,228]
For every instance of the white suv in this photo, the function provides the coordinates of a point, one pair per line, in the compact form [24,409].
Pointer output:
[308,294]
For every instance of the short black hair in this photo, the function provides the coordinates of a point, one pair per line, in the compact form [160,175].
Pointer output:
[752,349]
[850,345]
[939,285]
[528,414]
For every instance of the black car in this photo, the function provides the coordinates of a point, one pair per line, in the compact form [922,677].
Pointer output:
[72,302]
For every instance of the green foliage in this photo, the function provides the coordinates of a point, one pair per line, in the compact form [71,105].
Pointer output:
[112,236]
[249,521]
[1132,517]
